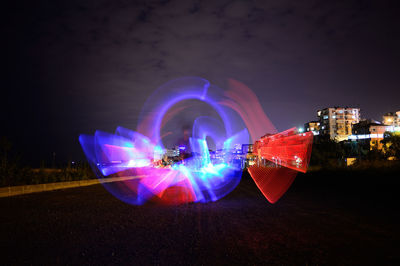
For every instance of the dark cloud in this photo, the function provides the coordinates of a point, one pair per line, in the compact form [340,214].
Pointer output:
[82,65]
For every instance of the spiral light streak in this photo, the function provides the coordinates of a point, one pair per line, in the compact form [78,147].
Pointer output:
[198,176]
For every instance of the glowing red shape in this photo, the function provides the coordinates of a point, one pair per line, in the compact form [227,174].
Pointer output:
[179,193]
[169,186]
[288,148]
[273,182]
[290,152]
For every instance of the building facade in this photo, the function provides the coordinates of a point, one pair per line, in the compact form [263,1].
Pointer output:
[369,133]
[391,119]
[337,122]
[313,126]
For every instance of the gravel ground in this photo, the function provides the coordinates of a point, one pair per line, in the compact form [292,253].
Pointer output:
[322,219]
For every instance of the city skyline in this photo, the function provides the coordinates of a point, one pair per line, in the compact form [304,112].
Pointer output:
[72,68]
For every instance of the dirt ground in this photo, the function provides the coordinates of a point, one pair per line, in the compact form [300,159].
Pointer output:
[324,218]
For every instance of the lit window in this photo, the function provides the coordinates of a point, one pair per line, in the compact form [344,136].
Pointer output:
[334,116]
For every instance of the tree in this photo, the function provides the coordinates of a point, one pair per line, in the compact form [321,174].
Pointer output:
[5,148]
[327,152]
[391,144]
[8,162]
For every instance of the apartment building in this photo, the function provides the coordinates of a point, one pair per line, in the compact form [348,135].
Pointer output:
[391,119]
[336,122]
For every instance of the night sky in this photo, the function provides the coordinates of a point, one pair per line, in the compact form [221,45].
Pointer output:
[73,67]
